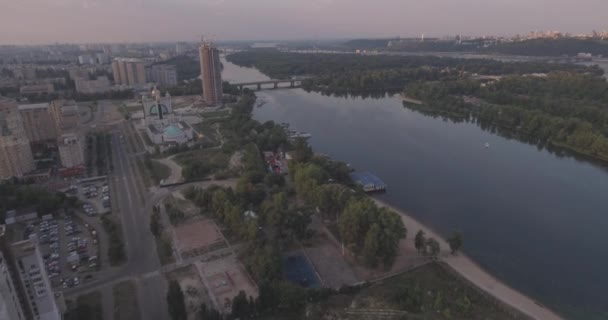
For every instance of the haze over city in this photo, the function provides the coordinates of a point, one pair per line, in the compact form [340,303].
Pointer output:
[303,159]
[49,21]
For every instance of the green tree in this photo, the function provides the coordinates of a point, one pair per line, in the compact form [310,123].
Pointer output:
[175,302]
[241,309]
[371,246]
[265,262]
[302,152]
[455,241]
[420,242]
[209,314]
[433,247]
[354,222]
[155,226]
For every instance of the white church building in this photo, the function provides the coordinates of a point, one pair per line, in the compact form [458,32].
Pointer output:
[162,126]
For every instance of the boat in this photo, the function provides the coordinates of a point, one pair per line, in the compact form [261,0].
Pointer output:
[299,135]
[487,145]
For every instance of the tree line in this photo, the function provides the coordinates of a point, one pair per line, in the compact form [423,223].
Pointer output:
[562,110]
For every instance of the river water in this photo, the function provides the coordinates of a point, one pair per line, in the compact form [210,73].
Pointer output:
[533,219]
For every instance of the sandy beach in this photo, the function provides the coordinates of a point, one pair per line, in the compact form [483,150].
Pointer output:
[477,275]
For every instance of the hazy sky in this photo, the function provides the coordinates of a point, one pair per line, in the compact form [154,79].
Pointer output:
[46,21]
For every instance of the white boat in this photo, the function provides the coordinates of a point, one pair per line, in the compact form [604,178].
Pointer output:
[487,145]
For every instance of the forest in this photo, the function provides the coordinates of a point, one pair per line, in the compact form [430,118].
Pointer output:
[361,75]
[533,47]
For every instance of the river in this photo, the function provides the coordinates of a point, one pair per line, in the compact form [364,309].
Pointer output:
[536,220]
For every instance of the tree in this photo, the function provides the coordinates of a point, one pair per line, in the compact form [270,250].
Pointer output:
[353,222]
[175,302]
[420,242]
[371,246]
[302,151]
[455,241]
[155,226]
[433,248]
[264,262]
[241,309]
[209,314]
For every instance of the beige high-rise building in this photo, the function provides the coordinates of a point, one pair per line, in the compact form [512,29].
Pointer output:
[129,72]
[65,115]
[116,72]
[211,74]
[38,122]
[71,150]
[16,157]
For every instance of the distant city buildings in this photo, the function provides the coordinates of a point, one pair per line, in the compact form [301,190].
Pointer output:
[56,123]
[129,72]
[164,75]
[37,89]
[211,74]
[99,85]
[16,157]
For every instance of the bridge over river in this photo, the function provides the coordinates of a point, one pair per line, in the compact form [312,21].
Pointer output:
[276,84]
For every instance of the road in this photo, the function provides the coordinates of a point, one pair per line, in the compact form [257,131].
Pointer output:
[143,264]
[139,241]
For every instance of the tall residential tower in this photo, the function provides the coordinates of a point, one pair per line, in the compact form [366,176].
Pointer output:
[211,74]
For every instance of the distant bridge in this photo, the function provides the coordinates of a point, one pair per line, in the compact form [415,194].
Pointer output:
[293,83]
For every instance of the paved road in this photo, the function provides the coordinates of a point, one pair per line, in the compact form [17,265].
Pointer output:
[143,263]
[140,244]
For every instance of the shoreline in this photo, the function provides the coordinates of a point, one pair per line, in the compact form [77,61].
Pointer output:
[471,271]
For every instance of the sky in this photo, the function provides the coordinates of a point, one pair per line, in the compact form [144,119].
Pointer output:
[49,21]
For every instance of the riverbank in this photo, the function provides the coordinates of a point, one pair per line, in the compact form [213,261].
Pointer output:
[474,273]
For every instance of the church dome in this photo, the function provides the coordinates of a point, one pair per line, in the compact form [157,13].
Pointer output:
[174,134]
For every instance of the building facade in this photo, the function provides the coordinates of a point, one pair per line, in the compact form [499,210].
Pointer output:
[35,280]
[37,89]
[211,74]
[163,75]
[129,72]
[65,115]
[16,157]
[71,150]
[99,85]
[10,304]
[38,122]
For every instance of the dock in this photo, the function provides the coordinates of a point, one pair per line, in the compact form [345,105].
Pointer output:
[368,181]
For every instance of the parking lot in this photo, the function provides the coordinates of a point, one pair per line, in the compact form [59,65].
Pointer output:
[69,249]
[94,195]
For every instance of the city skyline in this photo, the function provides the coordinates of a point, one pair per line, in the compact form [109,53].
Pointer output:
[130,21]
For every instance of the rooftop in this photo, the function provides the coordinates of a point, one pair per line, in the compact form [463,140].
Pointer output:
[366,178]
[33,106]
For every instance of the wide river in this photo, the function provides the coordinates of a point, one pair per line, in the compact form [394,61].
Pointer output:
[533,219]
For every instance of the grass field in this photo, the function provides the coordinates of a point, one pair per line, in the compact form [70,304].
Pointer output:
[428,292]
[125,301]
[157,170]
[88,306]
[216,114]
[201,163]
